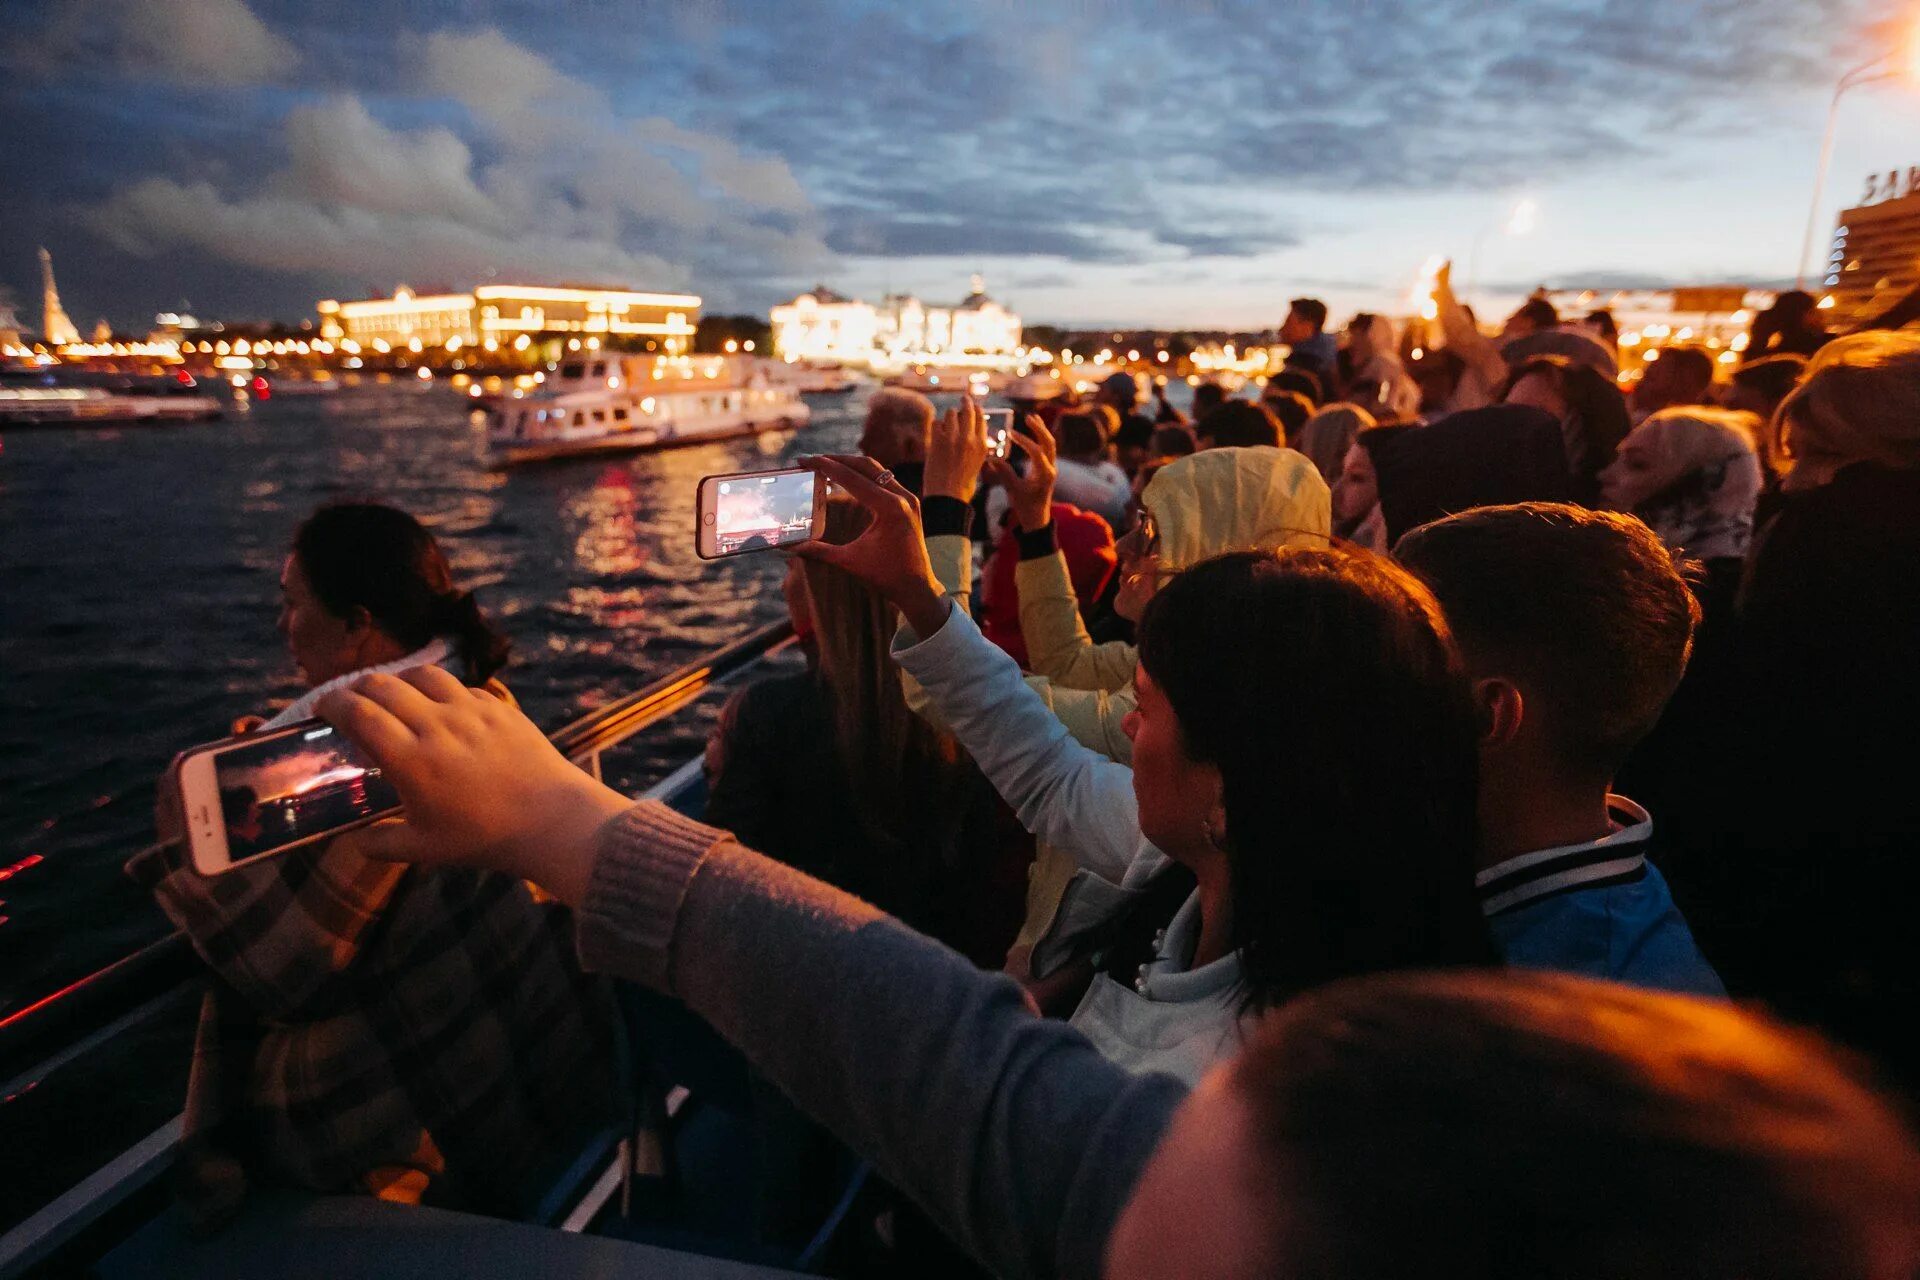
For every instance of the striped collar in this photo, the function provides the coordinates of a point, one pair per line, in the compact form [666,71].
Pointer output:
[1618,858]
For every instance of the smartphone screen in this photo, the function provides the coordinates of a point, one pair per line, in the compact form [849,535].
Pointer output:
[999,431]
[755,512]
[284,790]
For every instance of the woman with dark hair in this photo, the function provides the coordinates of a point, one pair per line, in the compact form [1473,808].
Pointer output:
[1211,882]
[1591,410]
[405,1032]
[829,771]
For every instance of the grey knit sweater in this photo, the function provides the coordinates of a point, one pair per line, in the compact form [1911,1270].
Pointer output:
[1013,1133]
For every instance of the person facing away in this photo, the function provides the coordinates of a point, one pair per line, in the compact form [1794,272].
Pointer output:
[1759,388]
[1791,326]
[1575,628]
[1679,376]
[1501,1125]
[1131,428]
[1088,477]
[1376,379]
[828,770]
[1592,413]
[1309,345]
[1289,408]
[1816,808]
[895,430]
[1239,424]
[409,1032]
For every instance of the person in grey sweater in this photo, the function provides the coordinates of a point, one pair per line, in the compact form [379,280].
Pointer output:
[1465,1123]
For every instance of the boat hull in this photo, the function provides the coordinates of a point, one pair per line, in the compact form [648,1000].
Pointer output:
[510,454]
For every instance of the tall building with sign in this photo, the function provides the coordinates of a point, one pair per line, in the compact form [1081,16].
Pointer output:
[498,315]
[1874,259]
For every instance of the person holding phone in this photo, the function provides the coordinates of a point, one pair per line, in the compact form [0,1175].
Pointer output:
[411,1033]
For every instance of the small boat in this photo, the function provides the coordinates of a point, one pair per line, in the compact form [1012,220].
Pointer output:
[80,406]
[609,403]
[817,378]
[953,380]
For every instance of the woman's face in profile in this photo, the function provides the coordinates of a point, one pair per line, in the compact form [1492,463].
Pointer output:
[1358,489]
[323,645]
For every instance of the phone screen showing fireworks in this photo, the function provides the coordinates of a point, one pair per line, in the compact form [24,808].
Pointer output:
[255,797]
[758,511]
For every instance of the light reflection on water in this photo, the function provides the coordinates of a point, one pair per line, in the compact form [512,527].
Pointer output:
[139,585]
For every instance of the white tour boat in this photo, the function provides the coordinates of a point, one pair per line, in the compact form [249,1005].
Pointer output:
[817,378]
[609,403]
[44,406]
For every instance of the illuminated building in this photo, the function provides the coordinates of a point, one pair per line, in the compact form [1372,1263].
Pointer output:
[55,329]
[1713,318]
[500,314]
[823,325]
[1874,260]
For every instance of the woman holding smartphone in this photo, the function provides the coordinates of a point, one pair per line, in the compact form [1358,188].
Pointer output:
[410,1033]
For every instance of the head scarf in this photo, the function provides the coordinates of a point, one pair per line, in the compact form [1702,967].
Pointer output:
[1475,458]
[1242,499]
[1705,480]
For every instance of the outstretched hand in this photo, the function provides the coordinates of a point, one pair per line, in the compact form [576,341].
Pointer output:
[1030,495]
[890,555]
[480,784]
[956,450]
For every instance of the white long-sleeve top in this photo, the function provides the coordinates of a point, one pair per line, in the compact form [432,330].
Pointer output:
[1175,1019]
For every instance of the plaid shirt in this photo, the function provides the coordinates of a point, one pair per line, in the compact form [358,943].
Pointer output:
[416,1032]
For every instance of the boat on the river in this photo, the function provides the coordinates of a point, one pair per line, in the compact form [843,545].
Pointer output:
[817,377]
[952,379]
[144,402]
[609,403]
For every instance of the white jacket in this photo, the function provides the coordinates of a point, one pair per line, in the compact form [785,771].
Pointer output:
[1176,1019]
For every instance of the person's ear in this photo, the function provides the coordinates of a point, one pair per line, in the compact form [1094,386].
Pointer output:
[1502,710]
[359,623]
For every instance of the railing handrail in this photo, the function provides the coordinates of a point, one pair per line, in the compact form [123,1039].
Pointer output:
[169,960]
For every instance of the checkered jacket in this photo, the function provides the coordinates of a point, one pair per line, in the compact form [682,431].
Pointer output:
[423,1033]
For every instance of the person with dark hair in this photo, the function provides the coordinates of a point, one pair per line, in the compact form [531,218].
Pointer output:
[1169,441]
[1299,380]
[404,1032]
[1671,377]
[1502,1125]
[1208,395]
[1289,408]
[1475,458]
[1533,330]
[1239,424]
[1211,885]
[1592,414]
[1309,345]
[1575,627]
[1131,428]
[1357,516]
[1791,326]
[1088,478]
[1535,315]
[1604,326]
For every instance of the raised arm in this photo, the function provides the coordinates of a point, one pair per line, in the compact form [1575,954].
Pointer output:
[1058,645]
[1464,338]
[1011,1132]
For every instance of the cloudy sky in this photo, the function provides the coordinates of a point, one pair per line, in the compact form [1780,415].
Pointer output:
[1187,162]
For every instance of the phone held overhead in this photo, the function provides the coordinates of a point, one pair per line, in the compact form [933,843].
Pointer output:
[758,511]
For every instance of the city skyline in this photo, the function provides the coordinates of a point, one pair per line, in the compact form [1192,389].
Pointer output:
[1098,163]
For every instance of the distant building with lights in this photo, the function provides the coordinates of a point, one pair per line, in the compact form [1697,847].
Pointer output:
[497,315]
[826,326]
[1874,259]
[1714,318]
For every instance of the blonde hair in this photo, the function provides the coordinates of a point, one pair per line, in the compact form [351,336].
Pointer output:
[1859,402]
[1329,433]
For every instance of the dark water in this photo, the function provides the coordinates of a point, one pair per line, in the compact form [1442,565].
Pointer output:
[139,585]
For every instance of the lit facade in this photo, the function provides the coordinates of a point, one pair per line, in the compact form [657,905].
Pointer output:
[823,325]
[495,315]
[1874,259]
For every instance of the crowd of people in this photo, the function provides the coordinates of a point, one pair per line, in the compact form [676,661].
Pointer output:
[1432,814]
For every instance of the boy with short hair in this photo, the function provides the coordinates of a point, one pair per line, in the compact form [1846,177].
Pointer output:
[1575,627]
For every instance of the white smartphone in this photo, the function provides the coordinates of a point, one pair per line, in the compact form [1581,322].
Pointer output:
[999,431]
[263,794]
[758,511]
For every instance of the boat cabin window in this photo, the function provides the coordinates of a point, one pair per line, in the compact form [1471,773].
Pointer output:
[573,369]
[619,415]
[599,415]
[579,417]
[599,370]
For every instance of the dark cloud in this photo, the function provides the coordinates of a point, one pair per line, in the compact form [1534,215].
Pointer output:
[736,143]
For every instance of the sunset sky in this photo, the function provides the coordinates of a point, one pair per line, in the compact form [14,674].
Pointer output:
[1169,163]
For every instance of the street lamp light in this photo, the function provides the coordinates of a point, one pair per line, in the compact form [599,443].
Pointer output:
[1879,67]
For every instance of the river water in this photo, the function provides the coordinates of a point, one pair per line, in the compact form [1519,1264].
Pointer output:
[139,587]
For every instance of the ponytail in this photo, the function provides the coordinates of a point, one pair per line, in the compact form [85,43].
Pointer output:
[482,646]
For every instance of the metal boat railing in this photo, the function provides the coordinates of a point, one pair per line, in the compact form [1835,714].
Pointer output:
[44,1036]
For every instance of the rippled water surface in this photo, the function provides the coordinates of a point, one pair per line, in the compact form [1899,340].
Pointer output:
[139,585]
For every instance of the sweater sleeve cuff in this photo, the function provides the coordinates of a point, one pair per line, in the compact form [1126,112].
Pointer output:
[945,515]
[646,858]
[1036,543]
